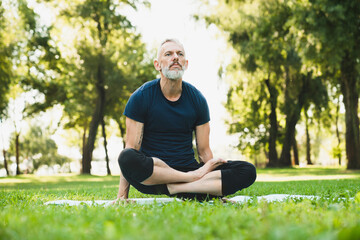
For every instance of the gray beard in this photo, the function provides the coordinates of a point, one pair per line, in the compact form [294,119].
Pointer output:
[173,74]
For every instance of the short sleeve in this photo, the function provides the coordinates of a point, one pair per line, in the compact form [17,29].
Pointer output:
[136,107]
[203,111]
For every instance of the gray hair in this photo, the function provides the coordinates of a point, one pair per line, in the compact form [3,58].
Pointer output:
[169,40]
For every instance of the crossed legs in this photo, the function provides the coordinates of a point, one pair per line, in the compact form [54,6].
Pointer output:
[210,183]
[201,180]
[153,176]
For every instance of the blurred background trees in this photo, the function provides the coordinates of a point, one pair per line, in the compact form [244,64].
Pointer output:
[88,59]
[295,59]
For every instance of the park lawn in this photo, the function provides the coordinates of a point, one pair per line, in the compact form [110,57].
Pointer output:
[335,215]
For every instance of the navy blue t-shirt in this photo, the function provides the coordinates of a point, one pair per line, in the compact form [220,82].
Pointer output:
[168,125]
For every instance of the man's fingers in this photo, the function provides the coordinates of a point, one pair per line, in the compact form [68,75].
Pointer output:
[122,200]
[221,161]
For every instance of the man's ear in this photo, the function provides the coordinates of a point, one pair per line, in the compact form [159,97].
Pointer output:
[186,64]
[157,65]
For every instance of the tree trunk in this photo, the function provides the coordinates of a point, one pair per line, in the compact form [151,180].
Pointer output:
[256,160]
[5,163]
[285,158]
[105,147]
[308,145]
[83,146]
[351,97]
[337,129]
[273,156]
[17,151]
[292,118]
[295,152]
[96,117]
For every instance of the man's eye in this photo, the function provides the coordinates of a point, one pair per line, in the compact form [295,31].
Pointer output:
[181,54]
[167,54]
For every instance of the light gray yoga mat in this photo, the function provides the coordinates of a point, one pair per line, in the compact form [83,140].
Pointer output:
[142,201]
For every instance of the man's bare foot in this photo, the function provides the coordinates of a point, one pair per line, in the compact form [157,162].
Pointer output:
[206,168]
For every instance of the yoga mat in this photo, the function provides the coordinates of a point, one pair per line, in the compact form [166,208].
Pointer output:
[142,201]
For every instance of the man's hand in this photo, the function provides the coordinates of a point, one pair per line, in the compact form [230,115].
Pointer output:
[123,193]
[207,167]
[121,200]
[213,163]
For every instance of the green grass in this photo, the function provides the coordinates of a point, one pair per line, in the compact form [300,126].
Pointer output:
[23,214]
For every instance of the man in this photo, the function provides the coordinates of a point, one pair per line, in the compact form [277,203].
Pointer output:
[161,117]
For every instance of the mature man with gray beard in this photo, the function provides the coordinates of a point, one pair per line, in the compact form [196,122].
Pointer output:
[161,117]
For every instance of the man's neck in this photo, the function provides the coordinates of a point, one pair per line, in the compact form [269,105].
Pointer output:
[171,88]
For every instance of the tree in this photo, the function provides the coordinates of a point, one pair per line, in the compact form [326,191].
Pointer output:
[32,61]
[5,75]
[329,33]
[92,73]
[38,149]
[5,65]
[105,69]
[337,150]
[260,31]
[262,59]
[261,39]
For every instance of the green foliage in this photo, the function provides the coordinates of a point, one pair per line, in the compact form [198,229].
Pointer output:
[35,59]
[281,44]
[328,33]
[265,53]
[108,64]
[24,215]
[337,152]
[37,148]
[91,72]
[106,41]
[253,134]
[5,65]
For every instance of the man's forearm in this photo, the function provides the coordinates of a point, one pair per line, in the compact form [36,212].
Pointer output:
[123,187]
[205,155]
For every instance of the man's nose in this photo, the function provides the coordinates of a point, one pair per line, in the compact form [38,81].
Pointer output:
[176,56]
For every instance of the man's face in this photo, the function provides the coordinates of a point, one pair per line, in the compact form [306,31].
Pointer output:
[171,61]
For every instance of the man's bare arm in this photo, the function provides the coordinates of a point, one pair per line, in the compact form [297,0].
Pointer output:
[124,187]
[134,134]
[202,133]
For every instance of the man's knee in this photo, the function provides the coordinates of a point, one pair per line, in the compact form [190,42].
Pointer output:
[128,158]
[134,165]
[251,173]
[238,176]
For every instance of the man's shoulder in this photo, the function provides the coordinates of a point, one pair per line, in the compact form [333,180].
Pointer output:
[192,89]
[189,85]
[148,85]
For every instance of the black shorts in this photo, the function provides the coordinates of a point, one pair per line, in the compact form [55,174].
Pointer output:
[136,167]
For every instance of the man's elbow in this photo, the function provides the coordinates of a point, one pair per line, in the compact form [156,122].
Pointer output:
[205,156]
[133,146]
